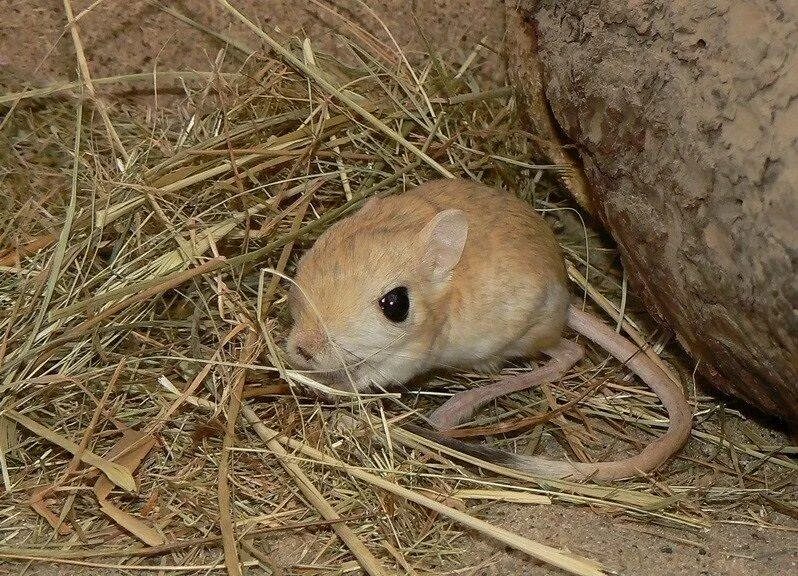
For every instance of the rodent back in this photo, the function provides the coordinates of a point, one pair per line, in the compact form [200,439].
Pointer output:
[511,281]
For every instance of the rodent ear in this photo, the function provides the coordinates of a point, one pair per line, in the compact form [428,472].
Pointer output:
[443,240]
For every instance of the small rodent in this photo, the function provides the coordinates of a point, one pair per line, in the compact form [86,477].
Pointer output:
[456,275]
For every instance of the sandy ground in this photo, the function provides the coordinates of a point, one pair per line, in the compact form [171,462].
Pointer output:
[134,36]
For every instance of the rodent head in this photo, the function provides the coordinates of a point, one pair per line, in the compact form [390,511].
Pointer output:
[367,301]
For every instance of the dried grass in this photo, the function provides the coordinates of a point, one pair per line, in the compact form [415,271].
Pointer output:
[147,421]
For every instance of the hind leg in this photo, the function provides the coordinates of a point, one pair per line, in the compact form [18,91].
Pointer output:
[462,405]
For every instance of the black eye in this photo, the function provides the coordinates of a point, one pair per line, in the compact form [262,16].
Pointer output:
[395,304]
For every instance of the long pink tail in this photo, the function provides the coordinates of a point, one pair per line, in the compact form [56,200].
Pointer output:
[650,458]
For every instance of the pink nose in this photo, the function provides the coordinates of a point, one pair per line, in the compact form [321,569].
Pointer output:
[304,347]
[304,354]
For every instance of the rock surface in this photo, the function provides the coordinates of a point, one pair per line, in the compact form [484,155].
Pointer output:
[685,115]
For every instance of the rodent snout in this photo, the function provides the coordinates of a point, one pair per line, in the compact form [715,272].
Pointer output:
[304,347]
[306,356]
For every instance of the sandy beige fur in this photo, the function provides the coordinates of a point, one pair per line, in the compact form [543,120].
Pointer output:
[487,283]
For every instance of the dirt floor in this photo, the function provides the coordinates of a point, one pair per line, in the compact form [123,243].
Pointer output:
[135,36]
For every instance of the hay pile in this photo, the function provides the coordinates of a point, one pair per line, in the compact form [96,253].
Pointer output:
[147,420]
